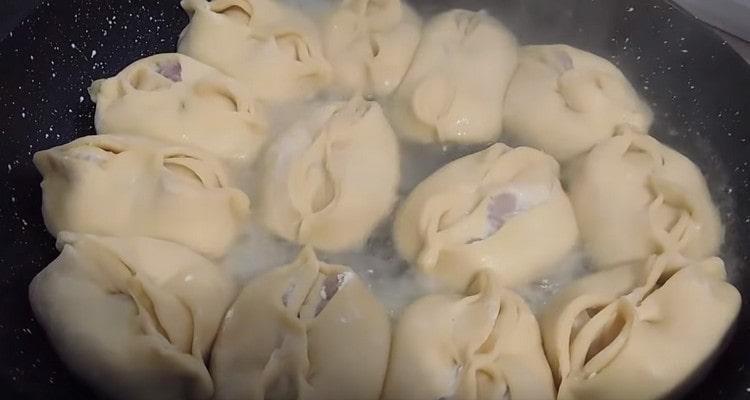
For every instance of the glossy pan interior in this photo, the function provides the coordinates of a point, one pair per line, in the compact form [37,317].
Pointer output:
[698,86]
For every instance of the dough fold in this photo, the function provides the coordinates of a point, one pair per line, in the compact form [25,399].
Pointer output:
[500,208]
[308,330]
[174,98]
[637,331]
[133,186]
[133,317]
[454,89]
[563,101]
[482,344]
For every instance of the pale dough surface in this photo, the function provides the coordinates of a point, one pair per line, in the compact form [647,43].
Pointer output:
[332,177]
[637,331]
[370,44]
[634,196]
[563,101]
[500,208]
[483,344]
[134,186]
[454,89]
[134,317]
[308,330]
[175,98]
[273,48]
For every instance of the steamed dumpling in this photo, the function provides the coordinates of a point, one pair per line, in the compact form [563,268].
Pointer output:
[500,208]
[175,98]
[563,101]
[370,44]
[132,186]
[332,178]
[133,317]
[273,48]
[634,196]
[484,344]
[637,331]
[454,88]
[308,330]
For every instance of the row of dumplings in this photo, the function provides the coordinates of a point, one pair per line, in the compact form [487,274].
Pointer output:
[458,78]
[141,318]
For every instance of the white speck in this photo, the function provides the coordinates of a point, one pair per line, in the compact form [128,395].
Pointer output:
[80,99]
[189,278]
[13,200]
[54,74]
[631,9]
[93,53]
[23,115]
[684,51]
[645,87]
[31,57]
[10,167]
[72,45]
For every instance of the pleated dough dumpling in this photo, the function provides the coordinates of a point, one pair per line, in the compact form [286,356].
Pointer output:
[370,44]
[563,101]
[133,186]
[133,317]
[483,344]
[453,91]
[272,47]
[634,196]
[308,330]
[500,208]
[175,98]
[637,331]
[332,177]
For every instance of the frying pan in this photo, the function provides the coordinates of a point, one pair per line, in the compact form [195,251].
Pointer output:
[698,86]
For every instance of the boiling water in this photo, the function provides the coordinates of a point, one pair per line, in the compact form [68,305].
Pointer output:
[388,276]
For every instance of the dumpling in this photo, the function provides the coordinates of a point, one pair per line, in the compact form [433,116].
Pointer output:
[175,98]
[308,330]
[484,344]
[133,186]
[634,196]
[133,317]
[332,178]
[453,91]
[370,44]
[583,97]
[637,331]
[273,48]
[500,208]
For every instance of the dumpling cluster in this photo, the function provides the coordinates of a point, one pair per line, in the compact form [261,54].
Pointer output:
[501,209]
[140,302]
[584,99]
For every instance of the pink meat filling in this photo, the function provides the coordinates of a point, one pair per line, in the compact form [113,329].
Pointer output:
[171,70]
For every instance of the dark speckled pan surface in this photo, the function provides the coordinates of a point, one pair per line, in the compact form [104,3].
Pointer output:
[699,88]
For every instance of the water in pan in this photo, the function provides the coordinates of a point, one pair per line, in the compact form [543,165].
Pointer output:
[378,263]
